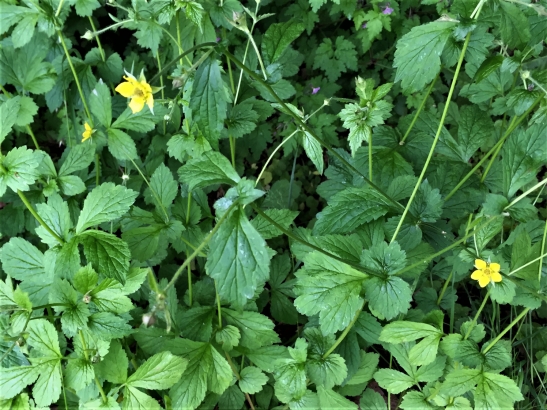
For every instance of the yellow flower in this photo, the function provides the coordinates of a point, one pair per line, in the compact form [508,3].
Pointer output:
[87,133]
[139,91]
[486,272]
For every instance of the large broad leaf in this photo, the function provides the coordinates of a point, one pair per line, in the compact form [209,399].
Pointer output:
[209,169]
[164,185]
[278,37]
[105,203]
[329,288]
[350,209]
[8,116]
[208,100]
[417,57]
[21,260]
[107,253]
[159,372]
[19,169]
[238,259]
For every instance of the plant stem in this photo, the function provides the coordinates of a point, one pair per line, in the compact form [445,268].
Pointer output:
[370,157]
[472,325]
[201,246]
[435,140]
[154,193]
[76,80]
[514,124]
[304,126]
[272,155]
[542,250]
[504,331]
[38,218]
[29,130]
[232,150]
[238,377]
[524,194]
[219,309]
[189,269]
[101,51]
[97,170]
[445,286]
[539,258]
[84,348]
[345,332]
[420,108]
[161,84]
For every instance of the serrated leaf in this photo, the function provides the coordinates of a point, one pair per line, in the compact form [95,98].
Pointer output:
[393,380]
[77,158]
[107,254]
[405,331]
[105,203]
[387,296]
[417,57]
[21,260]
[237,241]
[121,145]
[252,380]
[113,367]
[283,217]
[19,169]
[8,116]
[209,169]
[313,150]
[460,381]
[278,37]
[159,372]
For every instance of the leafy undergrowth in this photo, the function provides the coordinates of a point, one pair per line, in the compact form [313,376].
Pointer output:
[274,205]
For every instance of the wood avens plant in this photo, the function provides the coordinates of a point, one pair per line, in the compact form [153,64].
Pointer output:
[273,205]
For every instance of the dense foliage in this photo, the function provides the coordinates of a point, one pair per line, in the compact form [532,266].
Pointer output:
[303,204]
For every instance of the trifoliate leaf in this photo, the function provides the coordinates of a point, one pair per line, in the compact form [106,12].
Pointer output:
[393,380]
[329,288]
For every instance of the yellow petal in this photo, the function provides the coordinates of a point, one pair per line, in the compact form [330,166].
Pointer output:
[496,277]
[136,104]
[477,274]
[483,281]
[87,127]
[150,103]
[495,267]
[126,89]
[480,264]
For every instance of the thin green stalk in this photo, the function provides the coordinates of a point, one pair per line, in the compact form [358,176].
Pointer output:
[420,108]
[232,150]
[179,41]
[161,84]
[38,218]
[8,352]
[189,268]
[435,140]
[345,332]
[84,348]
[481,307]
[101,51]
[59,7]
[238,377]
[29,130]
[511,128]
[219,309]
[370,157]
[543,241]
[272,155]
[539,258]
[525,194]
[513,323]
[201,246]
[76,80]
[154,193]
[445,286]
[97,170]
[304,126]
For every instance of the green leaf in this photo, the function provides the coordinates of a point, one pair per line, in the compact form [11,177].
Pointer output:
[252,380]
[458,382]
[313,150]
[232,398]
[107,254]
[19,169]
[278,37]
[79,373]
[372,400]
[206,370]
[350,209]
[393,380]
[208,99]
[134,399]
[113,367]
[335,58]
[165,186]
[514,27]
[100,103]
[256,329]
[159,372]
[367,368]
[8,116]
[384,258]
[27,111]
[387,297]
[105,203]
[283,217]
[142,121]
[329,288]
[242,120]
[416,400]
[327,372]
[228,337]
[496,391]
[425,351]
[106,325]
[329,399]
[77,158]
[368,327]
[21,260]
[85,8]
[14,379]
[404,331]
[108,296]
[24,68]
[57,216]
[427,204]
[209,169]
[417,57]
[121,145]
[290,374]
[237,259]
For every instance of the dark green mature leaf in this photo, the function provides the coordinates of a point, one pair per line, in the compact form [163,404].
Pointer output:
[350,209]
[387,296]
[238,259]
[417,57]
[107,254]
[85,8]
[76,158]
[256,329]
[474,130]
[384,258]
[113,367]
[208,100]
[329,288]
[278,37]
[335,58]
[8,116]
[159,372]
[100,104]
[105,203]
[283,217]
[209,169]
[21,260]
[121,145]
[514,27]
[165,186]
[19,169]
[313,150]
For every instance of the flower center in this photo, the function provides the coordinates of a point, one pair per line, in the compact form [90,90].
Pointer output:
[487,271]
